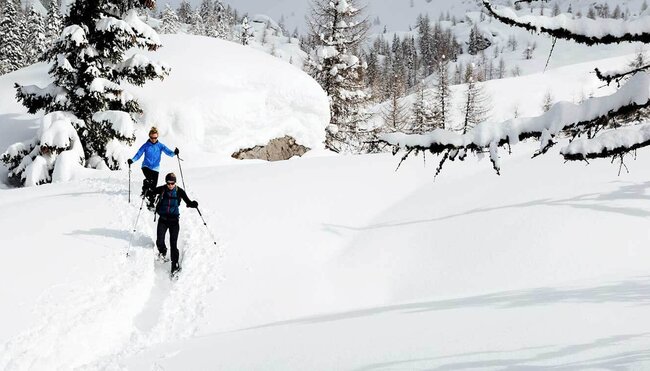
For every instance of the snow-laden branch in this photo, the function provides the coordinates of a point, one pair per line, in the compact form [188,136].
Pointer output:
[562,117]
[583,30]
[146,37]
[139,68]
[53,95]
[613,142]
[618,75]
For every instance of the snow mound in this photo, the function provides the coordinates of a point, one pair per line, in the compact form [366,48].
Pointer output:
[221,97]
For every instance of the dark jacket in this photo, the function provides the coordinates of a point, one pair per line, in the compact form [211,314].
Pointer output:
[170,200]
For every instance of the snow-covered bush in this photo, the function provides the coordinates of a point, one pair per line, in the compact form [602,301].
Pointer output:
[56,143]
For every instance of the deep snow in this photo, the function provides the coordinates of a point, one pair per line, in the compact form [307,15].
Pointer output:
[330,262]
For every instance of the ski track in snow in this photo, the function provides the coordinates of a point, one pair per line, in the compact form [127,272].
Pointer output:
[132,307]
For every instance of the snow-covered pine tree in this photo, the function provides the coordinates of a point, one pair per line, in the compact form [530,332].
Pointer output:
[599,127]
[425,42]
[338,26]
[23,32]
[209,17]
[222,21]
[475,101]
[35,39]
[54,24]
[442,93]
[185,12]
[245,35]
[196,24]
[206,8]
[11,51]
[547,102]
[170,21]
[86,109]
[422,112]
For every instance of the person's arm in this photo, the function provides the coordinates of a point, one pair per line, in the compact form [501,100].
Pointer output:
[167,151]
[183,195]
[139,153]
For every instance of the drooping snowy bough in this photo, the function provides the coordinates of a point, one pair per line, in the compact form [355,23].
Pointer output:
[610,126]
[94,116]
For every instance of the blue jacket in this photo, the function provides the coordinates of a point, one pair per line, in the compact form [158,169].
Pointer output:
[152,153]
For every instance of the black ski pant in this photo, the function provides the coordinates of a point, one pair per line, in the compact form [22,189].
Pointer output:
[149,184]
[163,225]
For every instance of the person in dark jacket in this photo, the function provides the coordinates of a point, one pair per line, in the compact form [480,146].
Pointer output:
[152,150]
[169,196]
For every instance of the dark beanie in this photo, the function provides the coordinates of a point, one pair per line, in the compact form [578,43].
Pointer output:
[170,177]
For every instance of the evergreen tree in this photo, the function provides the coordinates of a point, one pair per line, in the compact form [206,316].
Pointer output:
[87,85]
[425,41]
[35,42]
[475,105]
[222,21]
[422,114]
[339,29]
[185,12]
[206,9]
[196,24]
[547,102]
[11,51]
[170,21]
[54,24]
[476,41]
[245,31]
[442,94]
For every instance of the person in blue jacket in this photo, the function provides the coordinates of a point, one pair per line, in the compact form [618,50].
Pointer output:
[152,150]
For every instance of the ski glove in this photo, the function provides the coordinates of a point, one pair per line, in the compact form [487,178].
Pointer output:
[176,151]
[129,161]
[193,204]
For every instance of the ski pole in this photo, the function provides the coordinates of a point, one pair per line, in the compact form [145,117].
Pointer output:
[206,226]
[135,225]
[181,170]
[129,183]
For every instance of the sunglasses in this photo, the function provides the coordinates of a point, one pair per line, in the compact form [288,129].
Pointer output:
[171,183]
[153,137]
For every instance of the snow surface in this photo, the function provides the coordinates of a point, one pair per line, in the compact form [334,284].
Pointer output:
[326,262]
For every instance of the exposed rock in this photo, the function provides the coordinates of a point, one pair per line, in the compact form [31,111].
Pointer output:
[277,149]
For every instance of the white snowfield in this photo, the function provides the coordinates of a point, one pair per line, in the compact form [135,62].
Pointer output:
[325,262]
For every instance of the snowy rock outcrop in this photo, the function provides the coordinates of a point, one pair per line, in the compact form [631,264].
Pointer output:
[276,150]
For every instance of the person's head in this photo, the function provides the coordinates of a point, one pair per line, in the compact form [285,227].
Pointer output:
[170,180]
[153,134]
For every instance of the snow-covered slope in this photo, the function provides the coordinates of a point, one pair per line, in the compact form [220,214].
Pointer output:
[333,262]
[545,266]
